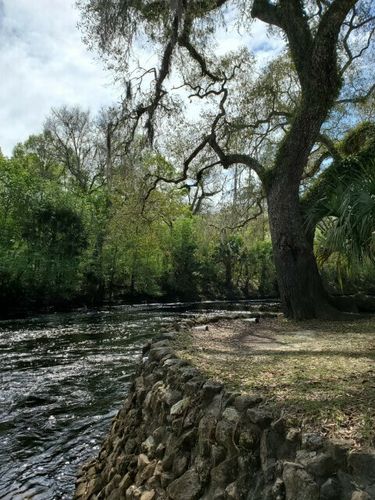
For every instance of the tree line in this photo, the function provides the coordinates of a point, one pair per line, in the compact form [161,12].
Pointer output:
[74,233]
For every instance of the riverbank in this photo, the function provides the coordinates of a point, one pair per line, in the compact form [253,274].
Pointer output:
[21,311]
[320,374]
[182,435]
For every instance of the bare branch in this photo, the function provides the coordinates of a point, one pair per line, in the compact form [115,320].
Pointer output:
[350,56]
[184,174]
[358,99]
[228,159]
[267,12]
[329,145]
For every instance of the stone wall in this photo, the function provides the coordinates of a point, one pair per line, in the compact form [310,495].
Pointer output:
[180,436]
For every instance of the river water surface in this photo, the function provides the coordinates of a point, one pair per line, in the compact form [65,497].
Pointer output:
[63,378]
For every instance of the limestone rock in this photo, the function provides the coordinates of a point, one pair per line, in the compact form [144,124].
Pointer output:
[187,373]
[244,402]
[274,446]
[339,449]
[312,441]
[293,435]
[187,439]
[360,495]
[186,487]
[330,490]
[299,485]
[317,464]
[174,362]
[225,433]
[133,493]
[231,414]
[179,436]
[173,396]
[210,388]
[249,437]
[160,343]
[145,474]
[180,407]
[179,464]
[363,466]
[142,461]
[278,489]
[148,446]
[279,425]
[214,407]
[156,354]
[148,495]
[225,472]
[193,385]
[259,416]
[166,478]
[217,454]
[232,491]
[125,482]
[346,484]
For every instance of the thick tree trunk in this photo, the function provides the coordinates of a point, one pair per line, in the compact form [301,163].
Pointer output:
[301,290]
[315,59]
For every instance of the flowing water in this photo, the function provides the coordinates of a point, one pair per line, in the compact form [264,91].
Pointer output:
[63,378]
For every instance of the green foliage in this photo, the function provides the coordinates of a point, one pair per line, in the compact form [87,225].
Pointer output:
[42,235]
[263,273]
[62,245]
[342,207]
[57,230]
[183,268]
[228,252]
[358,139]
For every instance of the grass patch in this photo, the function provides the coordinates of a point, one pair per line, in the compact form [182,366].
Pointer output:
[319,375]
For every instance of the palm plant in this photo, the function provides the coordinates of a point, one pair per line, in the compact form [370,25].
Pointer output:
[349,229]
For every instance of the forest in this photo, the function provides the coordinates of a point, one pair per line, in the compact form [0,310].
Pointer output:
[72,236]
[215,177]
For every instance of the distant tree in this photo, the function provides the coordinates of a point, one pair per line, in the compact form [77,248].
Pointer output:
[74,143]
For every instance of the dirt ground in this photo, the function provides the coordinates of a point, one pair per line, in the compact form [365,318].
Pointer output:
[319,375]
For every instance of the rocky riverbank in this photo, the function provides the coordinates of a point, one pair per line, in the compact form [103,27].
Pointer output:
[182,436]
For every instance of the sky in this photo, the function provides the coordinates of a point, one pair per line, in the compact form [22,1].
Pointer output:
[45,64]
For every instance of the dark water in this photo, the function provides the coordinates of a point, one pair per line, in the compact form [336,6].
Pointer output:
[63,378]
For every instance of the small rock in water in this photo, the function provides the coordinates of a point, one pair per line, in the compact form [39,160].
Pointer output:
[51,422]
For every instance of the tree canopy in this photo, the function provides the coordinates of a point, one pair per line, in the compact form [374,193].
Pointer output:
[278,119]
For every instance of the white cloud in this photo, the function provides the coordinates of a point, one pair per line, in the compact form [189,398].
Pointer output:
[43,64]
[254,36]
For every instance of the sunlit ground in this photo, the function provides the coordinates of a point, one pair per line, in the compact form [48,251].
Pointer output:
[319,375]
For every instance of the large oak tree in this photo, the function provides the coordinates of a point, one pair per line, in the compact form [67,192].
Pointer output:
[272,124]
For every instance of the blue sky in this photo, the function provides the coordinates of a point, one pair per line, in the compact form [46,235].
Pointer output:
[45,64]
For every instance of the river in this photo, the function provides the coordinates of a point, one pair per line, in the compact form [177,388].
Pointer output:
[63,378]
